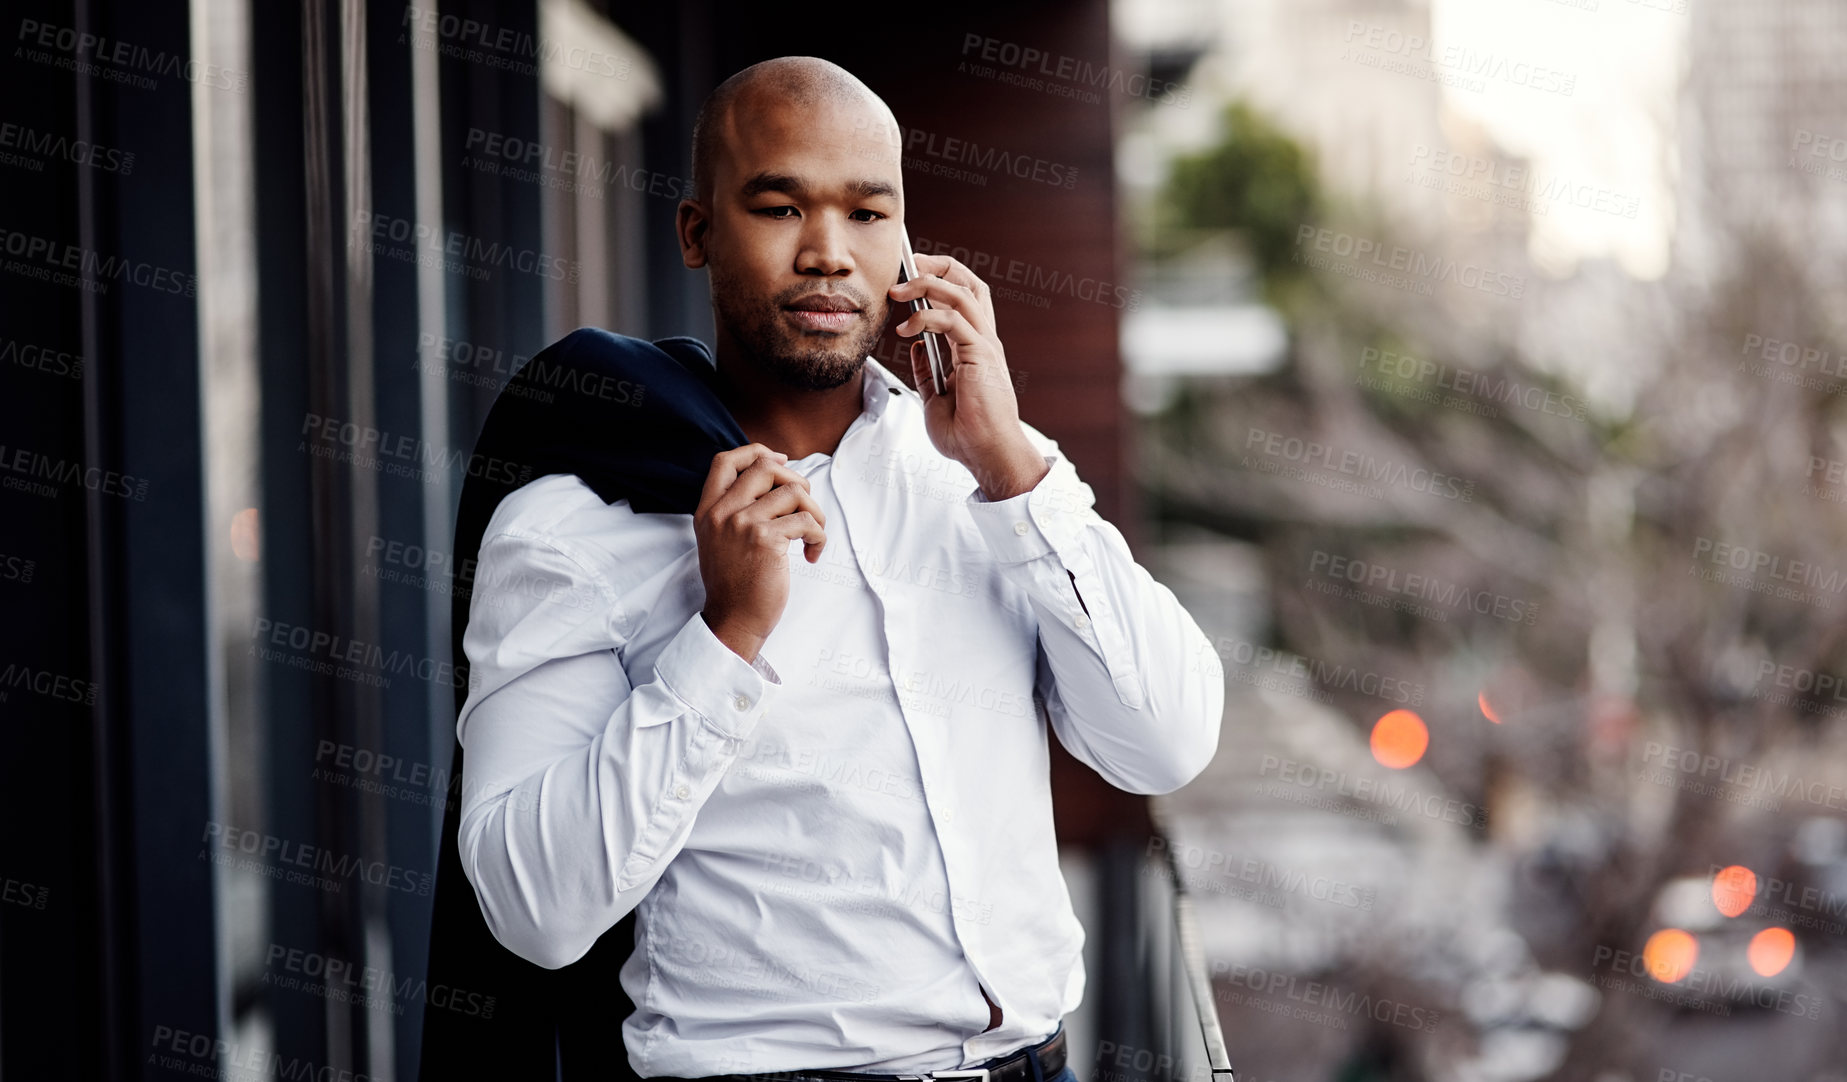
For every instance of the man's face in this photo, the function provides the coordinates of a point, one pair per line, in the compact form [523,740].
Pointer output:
[803,238]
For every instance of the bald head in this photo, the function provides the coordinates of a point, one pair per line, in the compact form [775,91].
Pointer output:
[803,82]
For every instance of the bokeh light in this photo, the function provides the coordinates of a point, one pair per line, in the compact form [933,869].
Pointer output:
[1733,889]
[1399,739]
[1670,955]
[1487,711]
[1771,951]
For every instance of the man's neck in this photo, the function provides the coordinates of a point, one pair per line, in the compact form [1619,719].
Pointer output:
[794,421]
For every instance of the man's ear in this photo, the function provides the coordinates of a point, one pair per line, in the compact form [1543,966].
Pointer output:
[691,223]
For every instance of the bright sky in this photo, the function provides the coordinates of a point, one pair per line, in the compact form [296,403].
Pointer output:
[1616,129]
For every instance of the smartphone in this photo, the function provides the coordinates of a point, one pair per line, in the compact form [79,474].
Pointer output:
[933,342]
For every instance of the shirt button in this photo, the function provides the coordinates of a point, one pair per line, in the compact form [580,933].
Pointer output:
[1082,620]
[682,792]
[742,702]
[1020,528]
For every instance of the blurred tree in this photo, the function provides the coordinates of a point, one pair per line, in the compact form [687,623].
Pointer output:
[1255,180]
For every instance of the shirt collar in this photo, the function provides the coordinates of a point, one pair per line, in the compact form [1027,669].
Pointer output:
[879,388]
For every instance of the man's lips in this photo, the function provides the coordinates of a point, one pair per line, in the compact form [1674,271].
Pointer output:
[824,302]
[823,313]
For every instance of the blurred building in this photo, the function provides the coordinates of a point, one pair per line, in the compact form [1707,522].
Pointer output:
[1313,68]
[1764,116]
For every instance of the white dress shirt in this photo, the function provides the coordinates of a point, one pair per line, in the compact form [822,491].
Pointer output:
[833,850]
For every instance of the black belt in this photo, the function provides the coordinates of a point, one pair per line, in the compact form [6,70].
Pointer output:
[1015,1068]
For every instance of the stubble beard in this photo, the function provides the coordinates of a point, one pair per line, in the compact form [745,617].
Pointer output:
[805,361]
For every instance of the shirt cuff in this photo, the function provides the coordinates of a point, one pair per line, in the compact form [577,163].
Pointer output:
[1046,518]
[714,682]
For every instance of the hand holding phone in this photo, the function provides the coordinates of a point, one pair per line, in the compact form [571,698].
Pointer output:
[933,342]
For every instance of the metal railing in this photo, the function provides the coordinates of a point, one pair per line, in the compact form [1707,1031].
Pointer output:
[1205,1008]
[1155,994]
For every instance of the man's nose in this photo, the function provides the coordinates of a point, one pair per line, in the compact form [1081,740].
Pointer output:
[824,249]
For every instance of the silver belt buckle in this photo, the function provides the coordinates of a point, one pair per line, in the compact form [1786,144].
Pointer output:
[980,1073]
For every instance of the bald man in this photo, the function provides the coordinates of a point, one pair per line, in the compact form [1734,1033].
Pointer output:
[802,735]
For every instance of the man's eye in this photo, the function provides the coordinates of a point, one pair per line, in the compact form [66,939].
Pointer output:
[774,212]
[875,215]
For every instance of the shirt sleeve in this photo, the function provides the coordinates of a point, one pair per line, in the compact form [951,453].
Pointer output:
[1130,682]
[578,789]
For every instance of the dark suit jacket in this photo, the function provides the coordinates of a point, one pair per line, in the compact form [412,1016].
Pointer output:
[638,421]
